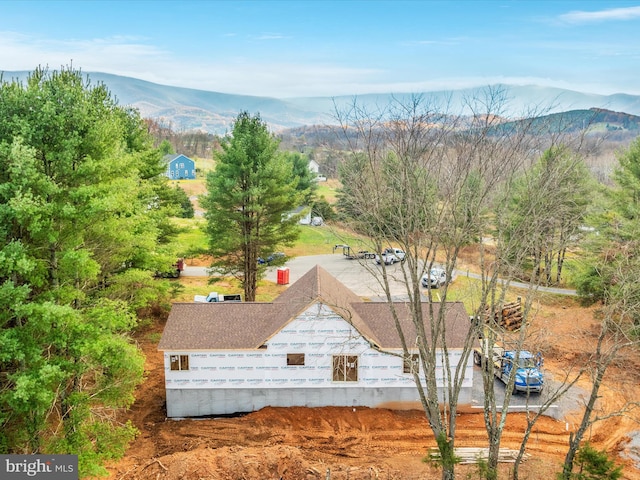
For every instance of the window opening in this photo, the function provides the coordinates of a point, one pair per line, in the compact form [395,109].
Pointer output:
[411,363]
[295,358]
[345,368]
[179,362]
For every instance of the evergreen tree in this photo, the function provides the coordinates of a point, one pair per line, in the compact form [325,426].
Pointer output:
[250,196]
[615,244]
[78,179]
[307,184]
[592,464]
[165,147]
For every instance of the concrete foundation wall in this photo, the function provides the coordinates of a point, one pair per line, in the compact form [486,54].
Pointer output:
[207,402]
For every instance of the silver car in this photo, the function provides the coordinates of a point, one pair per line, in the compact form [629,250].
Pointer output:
[436,278]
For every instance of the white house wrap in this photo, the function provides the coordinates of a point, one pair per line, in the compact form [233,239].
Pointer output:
[317,344]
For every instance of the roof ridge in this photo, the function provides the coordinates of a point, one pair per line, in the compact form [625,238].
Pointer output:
[249,325]
[319,284]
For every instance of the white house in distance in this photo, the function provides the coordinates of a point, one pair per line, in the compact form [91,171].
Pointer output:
[304,213]
[179,167]
[317,344]
[315,168]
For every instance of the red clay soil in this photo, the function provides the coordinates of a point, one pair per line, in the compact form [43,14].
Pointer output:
[361,443]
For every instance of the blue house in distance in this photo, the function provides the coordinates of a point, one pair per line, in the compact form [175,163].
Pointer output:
[180,167]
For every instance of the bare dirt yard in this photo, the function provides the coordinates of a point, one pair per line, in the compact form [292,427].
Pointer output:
[362,443]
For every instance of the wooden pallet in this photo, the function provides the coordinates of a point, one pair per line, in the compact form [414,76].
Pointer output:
[470,455]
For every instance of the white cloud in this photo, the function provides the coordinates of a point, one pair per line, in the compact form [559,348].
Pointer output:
[579,16]
[415,43]
[134,57]
[22,52]
[270,79]
[457,83]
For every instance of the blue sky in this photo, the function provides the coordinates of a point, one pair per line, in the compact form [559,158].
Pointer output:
[327,48]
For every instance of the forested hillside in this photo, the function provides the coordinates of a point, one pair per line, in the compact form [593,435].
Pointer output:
[184,109]
[606,131]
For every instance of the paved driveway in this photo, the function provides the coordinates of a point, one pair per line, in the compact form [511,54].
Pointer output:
[571,402]
[357,275]
[361,276]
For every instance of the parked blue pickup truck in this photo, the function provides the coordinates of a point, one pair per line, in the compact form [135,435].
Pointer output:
[528,376]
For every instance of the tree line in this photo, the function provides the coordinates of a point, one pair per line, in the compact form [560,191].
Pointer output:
[192,143]
[84,227]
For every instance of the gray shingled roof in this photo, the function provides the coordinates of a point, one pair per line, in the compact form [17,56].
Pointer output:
[236,326]
[170,156]
[380,319]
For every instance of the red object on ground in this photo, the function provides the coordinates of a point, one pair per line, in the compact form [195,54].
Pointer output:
[283,276]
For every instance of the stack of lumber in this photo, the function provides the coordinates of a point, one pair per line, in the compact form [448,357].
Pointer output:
[470,455]
[509,316]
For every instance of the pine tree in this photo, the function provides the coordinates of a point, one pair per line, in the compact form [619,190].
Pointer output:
[251,194]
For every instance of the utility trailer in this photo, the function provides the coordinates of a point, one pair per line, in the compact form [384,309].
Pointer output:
[350,254]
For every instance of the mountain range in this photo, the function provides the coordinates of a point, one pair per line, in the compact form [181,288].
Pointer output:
[185,109]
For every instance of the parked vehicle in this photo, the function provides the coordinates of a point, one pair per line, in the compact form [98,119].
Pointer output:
[528,376]
[349,253]
[175,272]
[390,256]
[436,278]
[215,297]
[179,267]
[276,258]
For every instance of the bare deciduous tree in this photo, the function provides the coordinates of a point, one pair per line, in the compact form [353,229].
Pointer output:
[621,306]
[427,182]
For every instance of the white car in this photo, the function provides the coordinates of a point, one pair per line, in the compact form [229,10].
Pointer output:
[390,256]
[436,278]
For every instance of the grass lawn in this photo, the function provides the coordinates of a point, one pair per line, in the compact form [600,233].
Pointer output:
[191,286]
[312,240]
[328,190]
[321,240]
[191,240]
